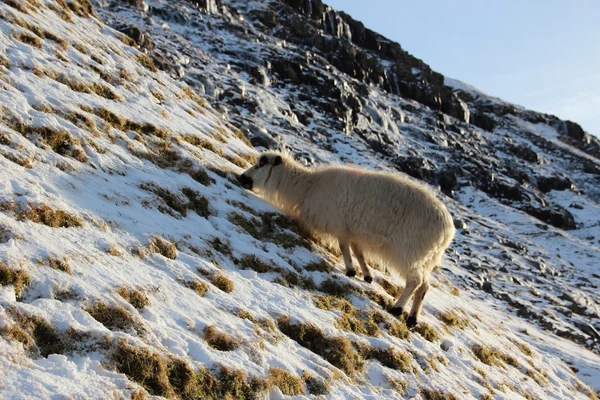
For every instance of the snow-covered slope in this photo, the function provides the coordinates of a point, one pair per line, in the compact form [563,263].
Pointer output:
[133,265]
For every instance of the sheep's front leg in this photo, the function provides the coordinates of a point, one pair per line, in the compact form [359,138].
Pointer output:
[361,261]
[398,309]
[345,249]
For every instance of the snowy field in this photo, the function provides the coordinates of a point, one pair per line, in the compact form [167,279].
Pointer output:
[133,265]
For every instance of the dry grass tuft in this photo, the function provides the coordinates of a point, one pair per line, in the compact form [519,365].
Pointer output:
[452,319]
[16,277]
[315,386]
[338,351]
[352,319]
[61,264]
[434,394]
[221,246]
[163,247]
[320,266]
[29,39]
[252,261]
[113,317]
[147,62]
[134,297]
[197,286]
[45,215]
[35,333]
[337,288]
[427,332]
[219,340]
[399,329]
[81,8]
[389,357]
[222,282]
[289,384]
[144,367]
[270,228]
[393,290]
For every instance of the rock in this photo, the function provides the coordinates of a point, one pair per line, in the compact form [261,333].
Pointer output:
[548,183]
[555,216]
[448,181]
[570,129]
[588,329]
[211,6]
[525,153]
[487,287]
[416,167]
[483,121]
[460,224]
[142,40]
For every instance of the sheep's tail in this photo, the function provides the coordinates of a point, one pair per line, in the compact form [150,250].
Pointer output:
[435,256]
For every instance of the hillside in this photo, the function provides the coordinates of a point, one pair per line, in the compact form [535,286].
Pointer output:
[133,265]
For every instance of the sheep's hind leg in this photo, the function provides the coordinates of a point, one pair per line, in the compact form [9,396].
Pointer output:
[417,305]
[361,261]
[345,249]
[411,285]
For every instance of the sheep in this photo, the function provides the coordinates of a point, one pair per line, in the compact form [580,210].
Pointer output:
[378,215]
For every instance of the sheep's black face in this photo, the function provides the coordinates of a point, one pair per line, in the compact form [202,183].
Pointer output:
[256,177]
[245,181]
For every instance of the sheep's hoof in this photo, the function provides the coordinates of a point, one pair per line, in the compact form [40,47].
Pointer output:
[368,279]
[411,322]
[351,273]
[396,312]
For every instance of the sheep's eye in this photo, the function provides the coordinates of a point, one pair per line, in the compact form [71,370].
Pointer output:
[262,161]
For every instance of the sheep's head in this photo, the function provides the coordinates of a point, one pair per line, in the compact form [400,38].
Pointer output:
[257,176]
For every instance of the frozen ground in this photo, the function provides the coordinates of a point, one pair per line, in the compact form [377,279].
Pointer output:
[146,271]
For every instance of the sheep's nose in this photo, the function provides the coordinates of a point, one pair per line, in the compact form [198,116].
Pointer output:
[245,181]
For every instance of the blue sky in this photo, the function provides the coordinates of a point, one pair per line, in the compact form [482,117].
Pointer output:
[541,54]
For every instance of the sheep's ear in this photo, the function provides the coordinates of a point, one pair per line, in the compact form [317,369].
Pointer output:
[277,160]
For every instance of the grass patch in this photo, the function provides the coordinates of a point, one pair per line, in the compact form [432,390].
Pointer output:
[37,335]
[398,385]
[434,394]
[115,318]
[252,261]
[337,288]
[222,282]
[197,286]
[201,176]
[219,340]
[338,351]
[45,215]
[28,39]
[61,264]
[452,319]
[176,204]
[163,247]
[269,227]
[134,297]
[221,246]
[398,329]
[488,355]
[202,143]
[289,384]
[16,277]
[319,266]
[389,357]
[351,320]
[427,332]
[314,385]
[61,142]
[393,290]
[146,62]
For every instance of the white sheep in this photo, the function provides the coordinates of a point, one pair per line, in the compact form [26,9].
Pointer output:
[379,215]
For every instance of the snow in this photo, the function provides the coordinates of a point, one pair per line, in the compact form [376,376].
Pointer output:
[107,193]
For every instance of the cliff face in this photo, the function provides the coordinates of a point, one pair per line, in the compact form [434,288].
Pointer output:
[132,263]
